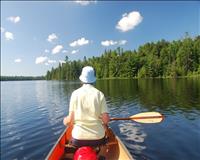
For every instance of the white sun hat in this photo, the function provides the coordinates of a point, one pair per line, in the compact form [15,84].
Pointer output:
[87,75]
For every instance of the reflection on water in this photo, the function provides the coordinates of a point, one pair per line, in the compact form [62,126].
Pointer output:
[32,113]
[170,95]
[133,132]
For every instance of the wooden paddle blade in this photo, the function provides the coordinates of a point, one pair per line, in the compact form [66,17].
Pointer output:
[148,117]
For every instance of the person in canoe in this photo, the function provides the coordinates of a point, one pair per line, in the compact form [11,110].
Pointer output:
[88,112]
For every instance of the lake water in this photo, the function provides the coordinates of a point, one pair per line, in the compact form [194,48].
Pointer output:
[32,114]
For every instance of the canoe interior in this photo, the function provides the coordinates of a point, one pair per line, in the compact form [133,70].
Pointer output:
[113,150]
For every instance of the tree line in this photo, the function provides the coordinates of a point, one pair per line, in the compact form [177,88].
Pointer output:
[21,78]
[153,59]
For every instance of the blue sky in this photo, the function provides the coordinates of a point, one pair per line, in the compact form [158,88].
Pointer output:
[36,36]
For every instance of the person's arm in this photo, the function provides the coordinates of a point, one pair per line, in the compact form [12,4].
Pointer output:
[105,118]
[69,120]
[104,110]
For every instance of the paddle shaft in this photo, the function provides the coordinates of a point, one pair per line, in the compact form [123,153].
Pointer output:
[132,118]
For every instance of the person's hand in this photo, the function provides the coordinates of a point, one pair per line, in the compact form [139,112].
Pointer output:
[105,118]
[66,121]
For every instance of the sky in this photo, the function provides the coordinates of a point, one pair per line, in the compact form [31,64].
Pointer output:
[36,36]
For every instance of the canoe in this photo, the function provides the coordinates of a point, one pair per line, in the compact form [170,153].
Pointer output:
[113,150]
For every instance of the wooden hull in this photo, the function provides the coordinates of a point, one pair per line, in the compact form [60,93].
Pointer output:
[113,150]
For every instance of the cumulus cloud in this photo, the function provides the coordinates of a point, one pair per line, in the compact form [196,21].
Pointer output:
[79,42]
[111,42]
[40,60]
[129,21]
[9,36]
[108,43]
[74,51]
[51,61]
[84,2]
[2,29]
[18,60]
[122,42]
[44,60]
[57,49]
[14,19]
[52,37]
[61,61]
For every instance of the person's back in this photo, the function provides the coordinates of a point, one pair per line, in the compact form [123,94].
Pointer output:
[88,103]
[88,110]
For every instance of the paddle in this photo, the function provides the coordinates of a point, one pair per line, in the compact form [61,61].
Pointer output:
[145,117]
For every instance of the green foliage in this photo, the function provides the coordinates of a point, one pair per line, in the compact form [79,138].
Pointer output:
[142,72]
[21,78]
[158,59]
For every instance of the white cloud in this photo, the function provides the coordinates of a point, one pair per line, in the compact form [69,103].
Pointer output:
[14,19]
[74,51]
[122,42]
[46,64]
[64,51]
[51,61]
[108,43]
[52,37]
[124,15]
[2,29]
[129,21]
[46,51]
[40,60]
[18,60]
[9,36]
[84,2]
[111,42]
[61,61]
[57,49]
[79,42]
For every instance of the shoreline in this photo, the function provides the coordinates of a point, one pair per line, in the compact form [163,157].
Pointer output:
[24,78]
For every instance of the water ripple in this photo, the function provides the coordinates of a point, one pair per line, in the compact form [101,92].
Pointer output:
[133,136]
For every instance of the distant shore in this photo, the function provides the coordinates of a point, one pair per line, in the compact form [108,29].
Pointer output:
[31,78]
[21,78]
[167,77]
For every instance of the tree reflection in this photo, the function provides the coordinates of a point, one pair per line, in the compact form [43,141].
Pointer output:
[170,95]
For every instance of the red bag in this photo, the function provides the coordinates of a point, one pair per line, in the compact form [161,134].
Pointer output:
[85,153]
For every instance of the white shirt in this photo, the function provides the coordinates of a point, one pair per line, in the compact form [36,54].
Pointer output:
[88,103]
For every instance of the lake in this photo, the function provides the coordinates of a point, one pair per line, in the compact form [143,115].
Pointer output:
[32,114]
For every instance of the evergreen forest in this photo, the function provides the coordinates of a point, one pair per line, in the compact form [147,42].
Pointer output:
[21,78]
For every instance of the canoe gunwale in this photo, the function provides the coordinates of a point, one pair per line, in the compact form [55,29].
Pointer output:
[57,142]
[124,148]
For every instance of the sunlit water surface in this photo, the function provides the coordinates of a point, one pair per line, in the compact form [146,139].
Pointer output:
[32,113]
